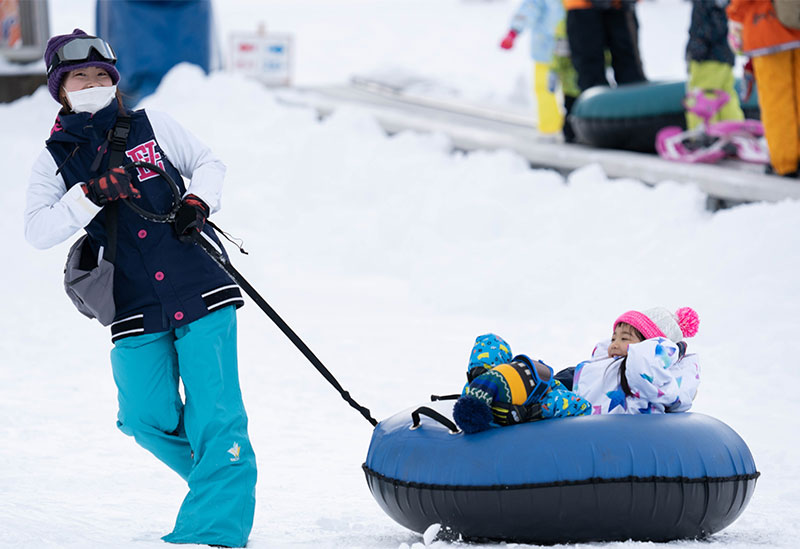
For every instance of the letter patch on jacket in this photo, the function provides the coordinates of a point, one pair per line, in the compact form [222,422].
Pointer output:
[146,152]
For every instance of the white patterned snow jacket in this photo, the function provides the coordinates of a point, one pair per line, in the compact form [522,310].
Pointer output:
[659,379]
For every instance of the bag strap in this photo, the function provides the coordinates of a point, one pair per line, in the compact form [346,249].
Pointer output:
[119,140]
[116,157]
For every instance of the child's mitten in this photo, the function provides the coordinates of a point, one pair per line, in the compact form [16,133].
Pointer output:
[559,402]
[501,395]
[508,41]
[735,36]
[488,351]
[749,81]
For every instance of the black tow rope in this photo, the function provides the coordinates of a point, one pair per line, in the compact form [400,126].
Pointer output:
[216,254]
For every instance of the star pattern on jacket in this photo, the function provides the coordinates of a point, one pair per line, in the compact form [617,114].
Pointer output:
[617,398]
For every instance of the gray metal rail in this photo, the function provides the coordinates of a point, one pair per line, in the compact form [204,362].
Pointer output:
[473,127]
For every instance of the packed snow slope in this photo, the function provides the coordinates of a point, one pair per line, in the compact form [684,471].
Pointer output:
[387,255]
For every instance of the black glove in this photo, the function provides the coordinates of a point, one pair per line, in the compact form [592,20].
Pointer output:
[112,185]
[191,217]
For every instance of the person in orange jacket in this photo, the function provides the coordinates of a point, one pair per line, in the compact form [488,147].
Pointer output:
[755,31]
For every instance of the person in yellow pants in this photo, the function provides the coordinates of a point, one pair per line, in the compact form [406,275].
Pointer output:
[755,30]
[780,105]
[550,118]
[714,76]
[541,16]
[711,59]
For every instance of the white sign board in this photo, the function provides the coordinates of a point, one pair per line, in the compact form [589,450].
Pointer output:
[265,57]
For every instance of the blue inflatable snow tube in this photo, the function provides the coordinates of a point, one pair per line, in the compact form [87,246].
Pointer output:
[595,478]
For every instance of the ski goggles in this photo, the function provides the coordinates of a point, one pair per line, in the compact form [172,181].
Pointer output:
[80,49]
[537,379]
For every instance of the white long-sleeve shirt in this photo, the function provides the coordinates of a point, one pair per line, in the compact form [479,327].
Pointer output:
[53,214]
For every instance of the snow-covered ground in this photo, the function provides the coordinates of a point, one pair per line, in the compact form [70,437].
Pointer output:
[388,255]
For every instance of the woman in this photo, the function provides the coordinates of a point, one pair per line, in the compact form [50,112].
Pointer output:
[175,308]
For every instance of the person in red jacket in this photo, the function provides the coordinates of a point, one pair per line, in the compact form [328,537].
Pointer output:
[756,31]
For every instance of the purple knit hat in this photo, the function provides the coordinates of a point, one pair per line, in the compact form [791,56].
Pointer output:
[55,78]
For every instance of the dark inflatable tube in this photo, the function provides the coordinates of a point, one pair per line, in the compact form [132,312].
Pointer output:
[628,117]
[595,478]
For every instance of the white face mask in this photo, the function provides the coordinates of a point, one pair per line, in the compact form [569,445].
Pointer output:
[91,100]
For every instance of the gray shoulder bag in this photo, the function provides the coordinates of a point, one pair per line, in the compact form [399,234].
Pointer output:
[89,280]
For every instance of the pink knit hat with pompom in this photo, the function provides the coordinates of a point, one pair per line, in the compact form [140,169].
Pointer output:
[660,322]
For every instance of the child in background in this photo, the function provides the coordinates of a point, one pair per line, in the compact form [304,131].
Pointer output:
[541,16]
[563,72]
[755,30]
[710,59]
[642,369]
[597,26]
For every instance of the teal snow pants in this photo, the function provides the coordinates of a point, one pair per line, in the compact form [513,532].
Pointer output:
[204,440]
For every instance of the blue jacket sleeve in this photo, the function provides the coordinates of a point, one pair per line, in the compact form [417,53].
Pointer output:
[542,16]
